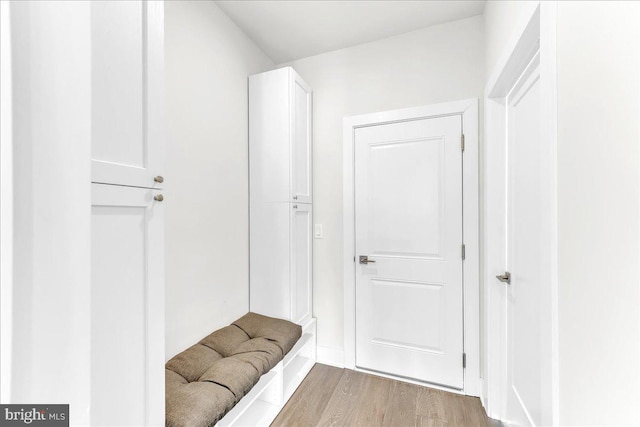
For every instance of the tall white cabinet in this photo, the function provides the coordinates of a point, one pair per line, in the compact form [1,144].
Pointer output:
[127,214]
[280,173]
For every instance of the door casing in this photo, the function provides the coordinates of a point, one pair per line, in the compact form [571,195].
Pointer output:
[536,31]
[468,110]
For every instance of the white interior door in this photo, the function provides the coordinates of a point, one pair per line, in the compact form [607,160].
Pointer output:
[526,247]
[408,222]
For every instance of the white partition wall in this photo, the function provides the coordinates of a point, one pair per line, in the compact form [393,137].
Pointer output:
[50,343]
[6,206]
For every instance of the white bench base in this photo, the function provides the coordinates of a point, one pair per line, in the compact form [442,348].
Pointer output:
[266,399]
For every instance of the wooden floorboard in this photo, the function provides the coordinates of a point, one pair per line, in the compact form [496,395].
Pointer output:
[357,400]
[401,405]
[430,410]
[308,403]
[341,397]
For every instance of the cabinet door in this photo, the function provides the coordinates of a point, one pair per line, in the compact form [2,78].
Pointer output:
[127,306]
[301,166]
[127,92]
[301,258]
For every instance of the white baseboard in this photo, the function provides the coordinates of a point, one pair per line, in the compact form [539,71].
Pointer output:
[332,356]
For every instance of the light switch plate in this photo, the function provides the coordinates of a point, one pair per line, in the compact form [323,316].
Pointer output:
[317,231]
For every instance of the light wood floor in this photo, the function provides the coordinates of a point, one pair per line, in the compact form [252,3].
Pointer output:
[341,397]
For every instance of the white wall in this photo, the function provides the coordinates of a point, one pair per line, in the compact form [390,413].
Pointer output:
[598,212]
[500,20]
[437,64]
[598,45]
[51,251]
[207,61]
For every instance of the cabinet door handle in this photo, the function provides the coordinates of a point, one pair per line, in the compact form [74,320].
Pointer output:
[158,197]
[505,278]
[295,206]
[364,259]
[295,197]
[159,179]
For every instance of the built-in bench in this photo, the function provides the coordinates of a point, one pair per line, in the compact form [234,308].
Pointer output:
[241,374]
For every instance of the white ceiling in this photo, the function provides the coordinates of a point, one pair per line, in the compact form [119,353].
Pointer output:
[289,30]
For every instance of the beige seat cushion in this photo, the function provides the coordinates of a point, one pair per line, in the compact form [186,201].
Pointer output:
[206,380]
[225,340]
[194,404]
[193,362]
[284,334]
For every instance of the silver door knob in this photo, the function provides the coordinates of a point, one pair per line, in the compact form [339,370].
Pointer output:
[158,197]
[505,278]
[364,259]
[159,179]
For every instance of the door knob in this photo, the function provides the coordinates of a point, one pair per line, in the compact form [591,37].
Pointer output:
[505,278]
[364,259]
[159,179]
[158,197]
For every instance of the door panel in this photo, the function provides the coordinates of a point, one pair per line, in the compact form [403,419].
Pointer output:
[117,73]
[397,222]
[126,39]
[408,186]
[127,302]
[301,263]
[423,303]
[301,158]
[525,248]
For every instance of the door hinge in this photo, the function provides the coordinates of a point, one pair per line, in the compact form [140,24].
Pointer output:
[354,259]
[462,142]
[464,360]
[464,251]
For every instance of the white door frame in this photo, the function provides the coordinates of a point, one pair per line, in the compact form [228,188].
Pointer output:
[468,110]
[536,31]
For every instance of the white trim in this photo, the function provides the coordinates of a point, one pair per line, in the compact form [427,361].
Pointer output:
[549,103]
[6,206]
[494,296]
[514,53]
[331,356]
[468,109]
[412,381]
[536,31]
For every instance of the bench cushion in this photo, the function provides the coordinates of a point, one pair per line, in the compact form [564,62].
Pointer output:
[194,403]
[206,380]
[284,334]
